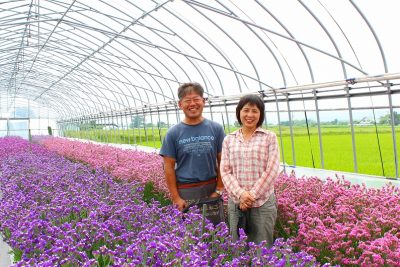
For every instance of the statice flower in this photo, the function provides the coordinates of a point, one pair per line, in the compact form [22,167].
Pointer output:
[57,212]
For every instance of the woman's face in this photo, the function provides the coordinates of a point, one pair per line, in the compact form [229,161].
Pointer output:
[249,116]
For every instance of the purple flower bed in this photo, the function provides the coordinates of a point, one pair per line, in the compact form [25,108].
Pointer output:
[54,212]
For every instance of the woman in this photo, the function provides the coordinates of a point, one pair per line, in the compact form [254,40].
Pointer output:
[249,167]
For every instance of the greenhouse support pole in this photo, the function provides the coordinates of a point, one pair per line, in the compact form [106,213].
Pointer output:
[227,117]
[133,132]
[291,129]
[159,125]
[120,129]
[396,161]
[321,151]
[211,113]
[353,140]
[152,128]
[127,128]
[106,131]
[280,133]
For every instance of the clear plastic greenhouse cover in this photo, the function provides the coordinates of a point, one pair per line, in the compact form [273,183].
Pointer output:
[79,65]
[85,57]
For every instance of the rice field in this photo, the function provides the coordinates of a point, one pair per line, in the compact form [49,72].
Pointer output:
[336,144]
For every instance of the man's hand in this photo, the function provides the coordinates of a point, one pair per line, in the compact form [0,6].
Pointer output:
[214,194]
[179,203]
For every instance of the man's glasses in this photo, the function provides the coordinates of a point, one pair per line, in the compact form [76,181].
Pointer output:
[196,100]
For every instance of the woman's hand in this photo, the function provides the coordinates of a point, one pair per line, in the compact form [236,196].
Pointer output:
[246,200]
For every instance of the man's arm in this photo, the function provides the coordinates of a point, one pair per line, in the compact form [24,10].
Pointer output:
[170,177]
[220,185]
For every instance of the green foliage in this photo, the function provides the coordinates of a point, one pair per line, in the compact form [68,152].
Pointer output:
[7,233]
[103,259]
[17,254]
[150,194]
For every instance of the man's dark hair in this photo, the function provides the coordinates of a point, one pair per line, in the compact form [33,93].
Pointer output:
[253,100]
[188,88]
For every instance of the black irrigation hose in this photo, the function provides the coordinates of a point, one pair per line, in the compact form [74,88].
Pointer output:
[309,139]
[379,143]
[377,134]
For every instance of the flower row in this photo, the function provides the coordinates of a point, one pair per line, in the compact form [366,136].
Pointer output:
[54,212]
[125,164]
[337,222]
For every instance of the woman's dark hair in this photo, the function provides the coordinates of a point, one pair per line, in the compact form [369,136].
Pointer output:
[252,100]
[188,88]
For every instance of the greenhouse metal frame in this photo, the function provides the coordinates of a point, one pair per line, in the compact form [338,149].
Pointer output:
[107,63]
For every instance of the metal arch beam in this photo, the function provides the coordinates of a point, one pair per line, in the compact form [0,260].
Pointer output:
[112,74]
[44,81]
[58,54]
[187,56]
[61,89]
[140,75]
[203,59]
[234,41]
[177,49]
[328,34]
[66,66]
[297,42]
[153,89]
[374,34]
[265,44]
[100,48]
[61,95]
[298,45]
[93,94]
[116,35]
[48,38]
[66,107]
[149,53]
[15,68]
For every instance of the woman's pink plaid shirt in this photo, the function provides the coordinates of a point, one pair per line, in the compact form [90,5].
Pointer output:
[251,165]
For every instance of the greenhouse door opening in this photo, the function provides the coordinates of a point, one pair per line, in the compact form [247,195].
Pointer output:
[14,127]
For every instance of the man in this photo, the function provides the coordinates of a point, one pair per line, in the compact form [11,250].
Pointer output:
[192,151]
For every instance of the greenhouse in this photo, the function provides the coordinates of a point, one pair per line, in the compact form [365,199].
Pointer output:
[89,91]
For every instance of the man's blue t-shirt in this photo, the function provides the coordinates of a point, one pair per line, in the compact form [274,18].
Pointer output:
[195,149]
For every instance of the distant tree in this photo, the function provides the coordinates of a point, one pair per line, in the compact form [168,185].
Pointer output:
[137,122]
[88,125]
[387,120]
[161,124]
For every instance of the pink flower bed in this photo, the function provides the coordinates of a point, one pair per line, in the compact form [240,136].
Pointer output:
[340,223]
[124,164]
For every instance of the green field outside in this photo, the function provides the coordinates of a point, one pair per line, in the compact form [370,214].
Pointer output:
[336,142]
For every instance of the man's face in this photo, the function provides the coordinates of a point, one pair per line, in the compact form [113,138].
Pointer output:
[192,105]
